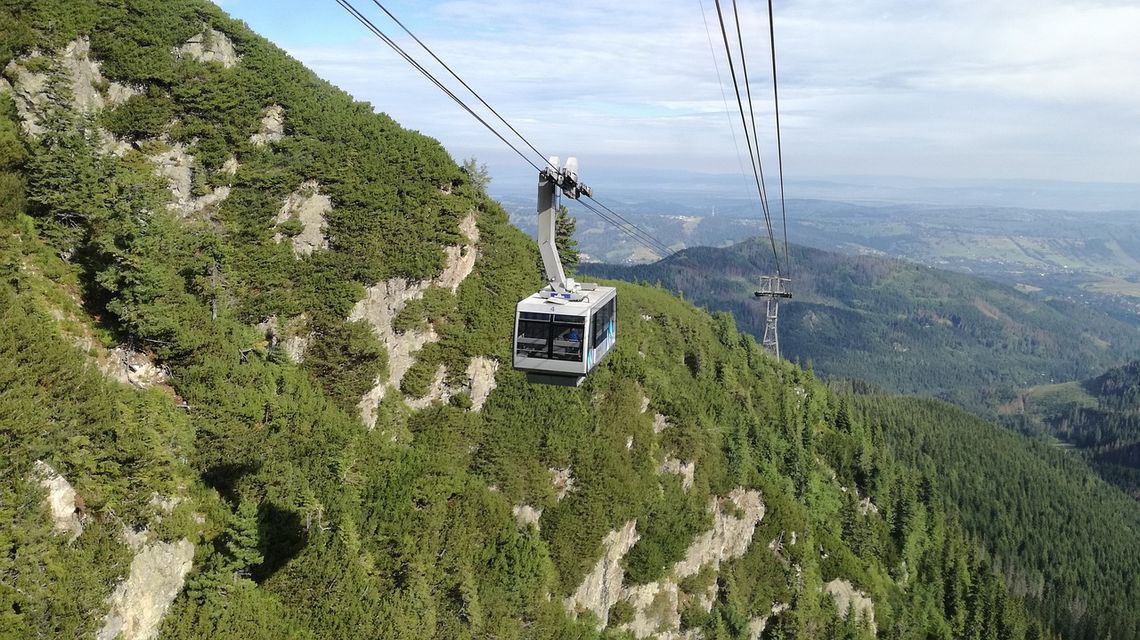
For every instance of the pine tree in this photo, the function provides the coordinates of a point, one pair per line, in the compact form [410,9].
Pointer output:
[564,227]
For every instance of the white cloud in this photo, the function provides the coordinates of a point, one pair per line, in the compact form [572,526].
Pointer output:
[938,88]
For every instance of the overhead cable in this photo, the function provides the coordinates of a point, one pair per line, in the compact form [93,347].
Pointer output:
[743,121]
[660,246]
[638,234]
[720,83]
[779,144]
[461,81]
[655,248]
[755,131]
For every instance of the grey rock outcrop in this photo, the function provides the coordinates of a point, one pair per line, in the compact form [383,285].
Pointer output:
[526,515]
[481,373]
[272,126]
[601,588]
[309,206]
[177,167]
[210,46]
[84,75]
[30,92]
[657,605]
[681,468]
[385,300]
[848,598]
[139,603]
[134,368]
[61,498]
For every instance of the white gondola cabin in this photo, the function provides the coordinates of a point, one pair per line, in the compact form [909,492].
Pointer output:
[563,331]
[559,341]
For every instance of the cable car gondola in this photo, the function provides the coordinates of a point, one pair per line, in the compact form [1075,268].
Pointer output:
[563,331]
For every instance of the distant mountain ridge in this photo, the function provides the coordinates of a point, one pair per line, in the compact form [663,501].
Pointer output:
[903,326]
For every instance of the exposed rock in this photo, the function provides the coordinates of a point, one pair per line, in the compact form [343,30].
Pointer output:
[289,338]
[660,423]
[230,166]
[84,75]
[133,368]
[61,499]
[656,610]
[602,586]
[371,400]
[680,468]
[111,145]
[165,504]
[29,91]
[437,392]
[526,515]
[384,301]
[139,603]
[729,537]
[644,403]
[867,507]
[77,71]
[379,307]
[657,605]
[481,373]
[308,205]
[756,626]
[295,346]
[210,46]
[135,539]
[117,94]
[272,126]
[562,481]
[176,166]
[461,260]
[847,597]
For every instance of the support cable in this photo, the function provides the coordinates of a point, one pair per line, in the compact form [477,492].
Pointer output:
[723,96]
[639,235]
[779,145]
[657,244]
[743,121]
[755,133]
[403,54]
[462,82]
[657,248]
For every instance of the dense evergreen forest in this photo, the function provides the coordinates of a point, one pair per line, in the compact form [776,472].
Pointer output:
[1099,418]
[1030,503]
[903,326]
[313,505]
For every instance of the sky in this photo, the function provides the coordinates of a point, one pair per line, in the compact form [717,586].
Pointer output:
[941,89]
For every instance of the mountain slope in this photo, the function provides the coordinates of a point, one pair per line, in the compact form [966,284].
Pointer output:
[905,327]
[261,333]
[1029,501]
[1099,418]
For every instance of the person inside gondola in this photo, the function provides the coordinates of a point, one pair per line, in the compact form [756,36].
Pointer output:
[572,336]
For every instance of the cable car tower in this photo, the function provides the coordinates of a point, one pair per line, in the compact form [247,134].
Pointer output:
[772,289]
[564,330]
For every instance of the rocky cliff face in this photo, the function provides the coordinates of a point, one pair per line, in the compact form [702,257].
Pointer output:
[61,499]
[139,603]
[656,606]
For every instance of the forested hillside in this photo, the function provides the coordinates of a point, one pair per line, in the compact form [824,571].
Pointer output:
[254,383]
[903,326]
[1099,418]
[1040,513]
